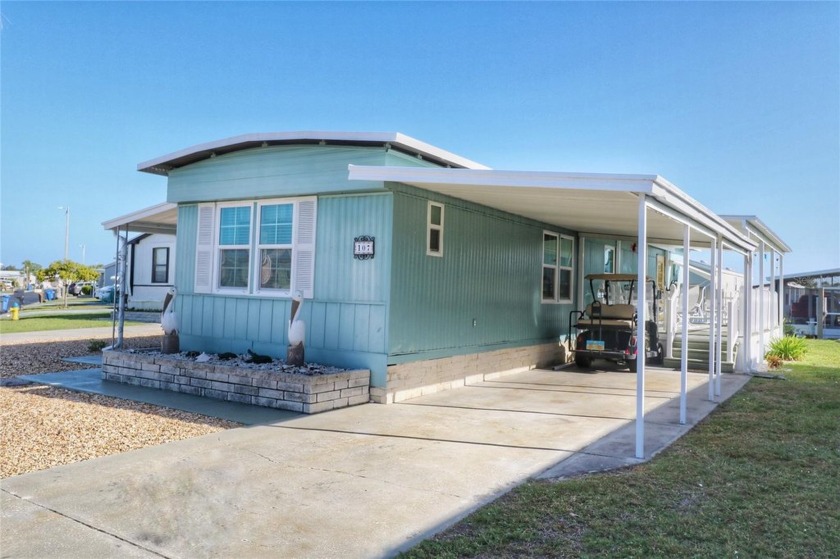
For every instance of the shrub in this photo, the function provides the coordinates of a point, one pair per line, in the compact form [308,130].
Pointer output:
[96,345]
[788,348]
[774,361]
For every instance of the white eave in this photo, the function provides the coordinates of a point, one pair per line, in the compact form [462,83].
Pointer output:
[755,228]
[160,218]
[162,165]
[594,204]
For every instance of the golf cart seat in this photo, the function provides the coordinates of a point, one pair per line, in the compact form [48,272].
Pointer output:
[619,315]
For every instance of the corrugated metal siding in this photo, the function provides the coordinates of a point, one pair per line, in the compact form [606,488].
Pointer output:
[338,275]
[349,312]
[490,273]
[272,171]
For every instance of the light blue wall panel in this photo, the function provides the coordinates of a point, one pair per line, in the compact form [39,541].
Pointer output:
[489,275]
[338,275]
[273,171]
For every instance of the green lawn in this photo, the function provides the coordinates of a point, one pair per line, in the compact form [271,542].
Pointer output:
[760,477]
[67,322]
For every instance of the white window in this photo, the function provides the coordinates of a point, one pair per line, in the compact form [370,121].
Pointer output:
[160,265]
[262,248]
[434,230]
[557,270]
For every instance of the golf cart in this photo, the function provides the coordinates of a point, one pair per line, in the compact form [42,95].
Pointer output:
[607,328]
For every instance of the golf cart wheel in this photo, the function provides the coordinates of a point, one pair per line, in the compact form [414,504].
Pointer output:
[583,361]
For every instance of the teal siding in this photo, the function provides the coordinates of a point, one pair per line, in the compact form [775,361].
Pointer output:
[275,171]
[338,275]
[347,320]
[490,273]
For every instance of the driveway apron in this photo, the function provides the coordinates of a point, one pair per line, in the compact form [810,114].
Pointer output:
[366,481]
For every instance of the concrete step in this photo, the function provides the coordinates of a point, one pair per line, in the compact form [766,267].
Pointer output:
[698,364]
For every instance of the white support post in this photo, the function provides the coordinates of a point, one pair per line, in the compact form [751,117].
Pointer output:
[748,311]
[773,307]
[719,326]
[782,291]
[686,287]
[761,302]
[731,328]
[640,327]
[713,289]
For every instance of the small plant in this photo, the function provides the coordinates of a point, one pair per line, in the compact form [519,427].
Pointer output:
[227,356]
[788,348]
[96,345]
[774,361]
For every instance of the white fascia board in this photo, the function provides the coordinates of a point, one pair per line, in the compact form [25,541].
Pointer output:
[673,197]
[754,226]
[394,138]
[641,184]
[145,215]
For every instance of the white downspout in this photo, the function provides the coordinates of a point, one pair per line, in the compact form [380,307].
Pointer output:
[774,307]
[640,327]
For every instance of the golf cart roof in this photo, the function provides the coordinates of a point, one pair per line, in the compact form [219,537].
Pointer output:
[614,277]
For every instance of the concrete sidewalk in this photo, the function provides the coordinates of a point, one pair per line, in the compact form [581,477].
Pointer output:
[366,481]
[43,336]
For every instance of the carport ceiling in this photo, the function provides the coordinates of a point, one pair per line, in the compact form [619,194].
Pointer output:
[593,204]
[160,218]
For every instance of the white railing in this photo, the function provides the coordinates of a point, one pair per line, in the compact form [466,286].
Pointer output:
[699,313]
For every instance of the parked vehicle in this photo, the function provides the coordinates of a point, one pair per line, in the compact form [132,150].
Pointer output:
[607,328]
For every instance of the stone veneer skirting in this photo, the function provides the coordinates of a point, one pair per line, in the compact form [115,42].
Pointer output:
[273,389]
[410,380]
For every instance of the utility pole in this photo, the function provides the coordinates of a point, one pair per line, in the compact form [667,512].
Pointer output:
[66,231]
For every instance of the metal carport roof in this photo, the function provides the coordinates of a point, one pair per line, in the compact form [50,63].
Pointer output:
[596,204]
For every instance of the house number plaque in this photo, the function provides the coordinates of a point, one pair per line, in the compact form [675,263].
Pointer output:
[364,247]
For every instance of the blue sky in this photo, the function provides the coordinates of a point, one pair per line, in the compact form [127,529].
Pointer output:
[738,104]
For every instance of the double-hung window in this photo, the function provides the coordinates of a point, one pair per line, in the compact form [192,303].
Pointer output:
[160,265]
[557,268]
[264,247]
[234,247]
[275,246]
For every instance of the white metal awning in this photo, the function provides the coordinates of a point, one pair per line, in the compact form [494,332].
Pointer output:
[160,218]
[593,204]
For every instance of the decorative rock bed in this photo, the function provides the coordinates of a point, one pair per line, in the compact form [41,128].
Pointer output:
[311,389]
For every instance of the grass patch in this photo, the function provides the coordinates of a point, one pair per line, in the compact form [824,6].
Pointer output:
[757,478]
[68,322]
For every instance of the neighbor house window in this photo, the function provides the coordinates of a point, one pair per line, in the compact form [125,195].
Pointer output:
[264,247]
[557,269]
[434,231]
[160,265]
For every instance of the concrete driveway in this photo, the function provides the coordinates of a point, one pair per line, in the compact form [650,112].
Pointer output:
[366,481]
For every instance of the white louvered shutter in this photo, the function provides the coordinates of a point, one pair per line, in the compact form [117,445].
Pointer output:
[304,249]
[204,248]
